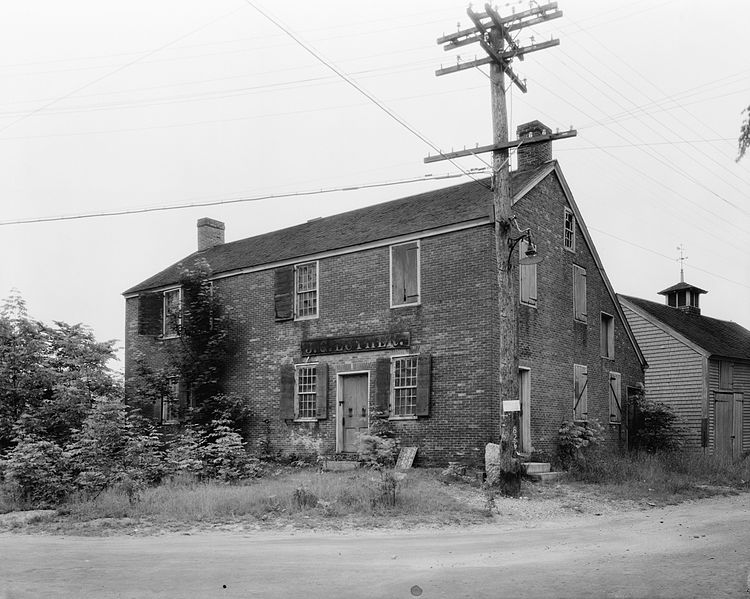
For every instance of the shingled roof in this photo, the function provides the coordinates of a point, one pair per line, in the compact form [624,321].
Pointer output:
[718,337]
[422,212]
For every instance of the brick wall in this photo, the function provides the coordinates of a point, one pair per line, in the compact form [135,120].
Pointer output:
[453,323]
[550,341]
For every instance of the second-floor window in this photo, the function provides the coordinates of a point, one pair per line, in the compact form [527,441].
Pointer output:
[405,274]
[306,290]
[172,312]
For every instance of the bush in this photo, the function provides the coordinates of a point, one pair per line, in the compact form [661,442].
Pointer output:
[577,439]
[376,451]
[37,472]
[215,453]
[655,427]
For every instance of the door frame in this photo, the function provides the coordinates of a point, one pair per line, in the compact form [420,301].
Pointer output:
[524,421]
[340,406]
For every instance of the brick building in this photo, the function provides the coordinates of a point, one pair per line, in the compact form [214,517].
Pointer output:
[393,309]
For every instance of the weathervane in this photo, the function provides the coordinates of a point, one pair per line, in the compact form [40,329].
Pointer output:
[682,259]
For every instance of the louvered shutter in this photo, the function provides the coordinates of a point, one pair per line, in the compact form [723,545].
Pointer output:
[284,293]
[579,293]
[527,277]
[150,307]
[383,385]
[424,367]
[398,275]
[321,391]
[411,274]
[580,395]
[615,397]
[286,403]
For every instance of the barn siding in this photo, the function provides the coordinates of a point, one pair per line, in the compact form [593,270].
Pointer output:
[674,375]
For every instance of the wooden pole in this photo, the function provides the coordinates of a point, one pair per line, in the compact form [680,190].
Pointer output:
[502,202]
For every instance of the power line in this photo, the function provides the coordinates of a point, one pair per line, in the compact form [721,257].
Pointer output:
[670,258]
[425,178]
[361,90]
[117,70]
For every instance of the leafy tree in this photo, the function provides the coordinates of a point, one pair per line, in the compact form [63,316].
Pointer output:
[744,139]
[656,426]
[49,375]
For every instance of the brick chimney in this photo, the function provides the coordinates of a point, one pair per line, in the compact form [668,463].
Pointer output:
[210,233]
[533,155]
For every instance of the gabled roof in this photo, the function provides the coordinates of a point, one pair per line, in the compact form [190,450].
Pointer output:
[717,337]
[680,287]
[422,212]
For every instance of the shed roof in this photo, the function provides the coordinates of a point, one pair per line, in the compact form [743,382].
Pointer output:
[718,337]
[412,214]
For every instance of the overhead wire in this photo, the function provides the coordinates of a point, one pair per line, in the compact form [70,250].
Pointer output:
[273,196]
[361,90]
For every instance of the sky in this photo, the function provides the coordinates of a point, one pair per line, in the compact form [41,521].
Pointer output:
[116,107]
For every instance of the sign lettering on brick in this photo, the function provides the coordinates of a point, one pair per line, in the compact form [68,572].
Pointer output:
[359,343]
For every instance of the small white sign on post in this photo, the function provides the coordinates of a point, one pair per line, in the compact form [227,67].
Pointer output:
[514,405]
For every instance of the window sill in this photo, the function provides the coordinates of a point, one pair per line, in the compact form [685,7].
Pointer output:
[394,307]
[413,417]
[528,305]
[610,358]
[305,318]
[167,337]
[571,250]
[305,420]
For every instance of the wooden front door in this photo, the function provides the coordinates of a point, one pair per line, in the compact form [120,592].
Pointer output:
[353,410]
[524,395]
[728,425]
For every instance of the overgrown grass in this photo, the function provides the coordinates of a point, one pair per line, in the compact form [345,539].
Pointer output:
[290,495]
[661,476]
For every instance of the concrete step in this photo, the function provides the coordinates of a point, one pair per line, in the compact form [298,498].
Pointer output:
[340,465]
[535,467]
[545,477]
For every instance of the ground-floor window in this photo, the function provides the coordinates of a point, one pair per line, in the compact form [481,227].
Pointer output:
[405,385]
[306,391]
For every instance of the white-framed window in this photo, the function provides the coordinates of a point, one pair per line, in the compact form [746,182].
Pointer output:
[170,403]
[306,290]
[526,277]
[579,293]
[172,312]
[404,389]
[405,287]
[607,336]
[306,391]
[580,392]
[569,231]
[615,397]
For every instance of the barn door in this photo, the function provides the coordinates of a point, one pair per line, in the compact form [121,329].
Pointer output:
[728,425]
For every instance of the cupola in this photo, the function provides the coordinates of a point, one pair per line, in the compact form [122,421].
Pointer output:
[684,296]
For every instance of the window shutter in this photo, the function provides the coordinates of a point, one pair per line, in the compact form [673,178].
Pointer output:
[411,274]
[149,313]
[615,397]
[283,292]
[398,275]
[726,372]
[424,364]
[579,293]
[383,385]
[527,276]
[580,396]
[286,403]
[321,391]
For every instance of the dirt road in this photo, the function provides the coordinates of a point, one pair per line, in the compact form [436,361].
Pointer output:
[697,549]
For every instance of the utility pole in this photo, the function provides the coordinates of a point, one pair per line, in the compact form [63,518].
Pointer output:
[493,33]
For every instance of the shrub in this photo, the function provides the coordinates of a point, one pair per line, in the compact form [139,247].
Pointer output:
[37,472]
[577,439]
[656,426]
[376,451]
